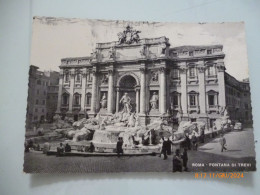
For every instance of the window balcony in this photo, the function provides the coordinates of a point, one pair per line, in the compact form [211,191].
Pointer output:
[193,79]
[193,108]
[176,107]
[176,80]
[76,107]
[213,108]
[212,78]
[65,106]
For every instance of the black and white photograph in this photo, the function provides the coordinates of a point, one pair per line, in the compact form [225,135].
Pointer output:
[134,96]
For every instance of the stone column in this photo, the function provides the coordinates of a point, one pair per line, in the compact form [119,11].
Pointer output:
[94,93]
[221,83]
[60,92]
[83,95]
[179,101]
[117,100]
[137,101]
[110,92]
[183,77]
[162,97]
[202,90]
[142,91]
[72,79]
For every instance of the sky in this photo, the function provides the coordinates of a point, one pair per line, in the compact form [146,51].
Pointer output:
[56,38]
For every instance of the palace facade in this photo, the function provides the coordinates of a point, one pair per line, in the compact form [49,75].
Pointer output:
[183,83]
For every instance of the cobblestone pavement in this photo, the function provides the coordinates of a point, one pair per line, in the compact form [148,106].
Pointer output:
[36,162]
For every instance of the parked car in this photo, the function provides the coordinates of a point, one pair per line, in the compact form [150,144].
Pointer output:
[238,126]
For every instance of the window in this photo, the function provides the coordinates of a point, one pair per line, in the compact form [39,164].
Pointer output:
[175,73]
[88,97]
[65,99]
[43,102]
[211,99]
[42,110]
[78,77]
[192,100]
[191,53]
[66,77]
[77,99]
[38,91]
[36,110]
[38,82]
[174,54]
[37,102]
[89,76]
[211,70]
[246,106]
[35,118]
[192,72]
[44,92]
[175,100]
[209,51]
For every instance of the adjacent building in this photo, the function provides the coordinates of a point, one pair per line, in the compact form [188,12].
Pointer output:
[238,98]
[39,106]
[184,83]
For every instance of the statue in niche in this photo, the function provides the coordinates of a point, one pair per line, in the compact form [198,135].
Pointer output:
[221,110]
[154,101]
[142,52]
[126,100]
[104,102]
[104,79]
[154,77]
[112,53]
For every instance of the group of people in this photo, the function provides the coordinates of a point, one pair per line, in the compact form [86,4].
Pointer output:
[179,160]
[61,149]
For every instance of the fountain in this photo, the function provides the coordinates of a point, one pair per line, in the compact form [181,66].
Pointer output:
[125,124]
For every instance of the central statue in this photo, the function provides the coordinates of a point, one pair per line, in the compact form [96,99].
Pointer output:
[126,100]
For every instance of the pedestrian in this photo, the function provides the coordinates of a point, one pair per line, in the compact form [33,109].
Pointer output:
[169,146]
[187,143]
[91,147]
[222,142]
[119,146]
[60,150]
[67,147]
[194,141]
[177,162]
[164,149]
[185,159]
[202,136]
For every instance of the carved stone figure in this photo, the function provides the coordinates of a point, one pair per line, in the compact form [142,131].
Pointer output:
[142,52]
[104,79]
[154,101]
[126,100]
[154,77]
[104,102]
[112,53]
[128,36]
[221,110]
[131,121]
